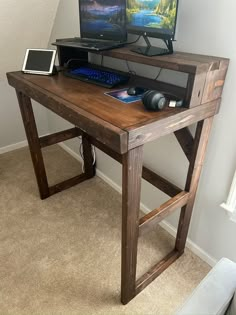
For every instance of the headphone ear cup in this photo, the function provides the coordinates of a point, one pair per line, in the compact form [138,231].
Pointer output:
[147,99]
[145,96]
[153,100]
[159,101]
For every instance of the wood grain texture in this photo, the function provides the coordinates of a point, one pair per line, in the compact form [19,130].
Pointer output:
[144,133]
[131,186]
[156,270]
[59,137]
[147,222]
[34,143]
[52,93]
[194,171]
[185,140]
[160,182]
[215,82]
[178,61]
[68,183]
[195,89]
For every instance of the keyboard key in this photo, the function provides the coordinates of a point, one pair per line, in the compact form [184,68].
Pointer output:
[101,77]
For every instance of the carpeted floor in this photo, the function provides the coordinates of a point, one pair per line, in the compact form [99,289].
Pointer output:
[62,255]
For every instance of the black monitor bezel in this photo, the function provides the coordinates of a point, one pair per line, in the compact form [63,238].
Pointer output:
[154,32]
[103,36]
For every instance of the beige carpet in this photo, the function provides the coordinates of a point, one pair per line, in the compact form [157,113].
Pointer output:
[62,255]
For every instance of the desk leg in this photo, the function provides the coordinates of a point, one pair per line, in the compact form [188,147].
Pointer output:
[131,186]
[194,171]
[34,144]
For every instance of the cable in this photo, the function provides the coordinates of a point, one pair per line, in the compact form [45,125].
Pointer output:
[102,60]
[158,74]
[82,154]
[135,41]
[129,70]
[73,59]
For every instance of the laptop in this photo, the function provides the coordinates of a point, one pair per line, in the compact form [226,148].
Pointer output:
[102,25]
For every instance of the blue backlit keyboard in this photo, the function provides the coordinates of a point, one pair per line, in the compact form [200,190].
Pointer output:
[105,78]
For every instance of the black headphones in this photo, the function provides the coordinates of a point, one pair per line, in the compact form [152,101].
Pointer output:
[155,101]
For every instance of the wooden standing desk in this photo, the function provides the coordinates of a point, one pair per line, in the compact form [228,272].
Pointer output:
[121,130]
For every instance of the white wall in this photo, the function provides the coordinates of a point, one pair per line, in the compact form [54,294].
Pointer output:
[23,24]
[204,26]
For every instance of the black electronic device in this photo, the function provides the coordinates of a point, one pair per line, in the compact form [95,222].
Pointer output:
[98,76]
[155,101]
[102,25]
[136,90]
[152,18]
[88,44]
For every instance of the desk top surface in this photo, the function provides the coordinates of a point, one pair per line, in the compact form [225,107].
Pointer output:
[91,98]
[120,125]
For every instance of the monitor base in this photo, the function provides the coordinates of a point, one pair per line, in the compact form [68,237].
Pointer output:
[152,50]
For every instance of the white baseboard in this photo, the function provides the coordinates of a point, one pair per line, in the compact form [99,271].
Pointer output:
[70,151]
[13,147]
[167,226]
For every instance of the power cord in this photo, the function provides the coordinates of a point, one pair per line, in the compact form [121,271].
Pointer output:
[158,74]
[129,70]
[102,60]
[82,154]
[135,41]
[66,65]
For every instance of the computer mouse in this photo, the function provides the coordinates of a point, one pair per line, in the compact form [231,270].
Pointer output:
[136,90]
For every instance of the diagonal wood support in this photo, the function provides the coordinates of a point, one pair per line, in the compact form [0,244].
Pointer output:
[195,167]
[160,182]
[185,140]
[158,214]
[156,270]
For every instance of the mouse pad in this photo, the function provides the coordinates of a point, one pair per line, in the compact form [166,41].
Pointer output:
[122,96]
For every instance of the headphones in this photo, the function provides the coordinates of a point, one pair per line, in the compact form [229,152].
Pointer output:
[156,101]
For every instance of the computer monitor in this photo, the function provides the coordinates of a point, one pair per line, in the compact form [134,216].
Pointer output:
[152,18]
[103,19]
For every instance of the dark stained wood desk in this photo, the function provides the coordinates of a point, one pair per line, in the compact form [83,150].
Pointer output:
[121,130]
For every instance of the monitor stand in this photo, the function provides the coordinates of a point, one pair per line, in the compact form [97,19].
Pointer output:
[152,50]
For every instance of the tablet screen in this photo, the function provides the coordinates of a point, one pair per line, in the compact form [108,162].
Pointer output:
[39,60]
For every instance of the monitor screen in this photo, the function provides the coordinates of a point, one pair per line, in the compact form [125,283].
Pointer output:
[154,18]
[103,19]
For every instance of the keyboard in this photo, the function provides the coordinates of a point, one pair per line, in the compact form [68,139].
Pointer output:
[108,79]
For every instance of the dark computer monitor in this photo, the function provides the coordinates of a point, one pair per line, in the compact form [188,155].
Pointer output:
[103,19]
[152,18]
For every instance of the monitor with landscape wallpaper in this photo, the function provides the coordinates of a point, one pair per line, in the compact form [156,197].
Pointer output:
[152,18]
[103,19]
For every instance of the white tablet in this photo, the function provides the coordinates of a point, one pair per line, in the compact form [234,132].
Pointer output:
[39,61]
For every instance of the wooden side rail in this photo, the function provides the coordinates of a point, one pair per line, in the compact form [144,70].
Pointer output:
[156,270]
[151,177]
[154,179]
[67,183]
[158,214]
[59,137]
